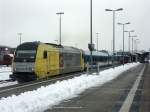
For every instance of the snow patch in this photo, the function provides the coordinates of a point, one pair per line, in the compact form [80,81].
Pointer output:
[46,97]
[5,69]
[5,72]
[5,75]
[8,84]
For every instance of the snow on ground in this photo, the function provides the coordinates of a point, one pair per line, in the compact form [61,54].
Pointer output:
[8,84]
[46,97]
[5,72]
[5,75]
[5,69]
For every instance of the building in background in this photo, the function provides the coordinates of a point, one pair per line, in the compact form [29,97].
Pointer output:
[6,55]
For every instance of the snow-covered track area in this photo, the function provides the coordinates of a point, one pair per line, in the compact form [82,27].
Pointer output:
[32,85]
[48,96]
[4,77]
[5,72]
[11,87]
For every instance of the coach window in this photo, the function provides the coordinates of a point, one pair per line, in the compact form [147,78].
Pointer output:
[45,54]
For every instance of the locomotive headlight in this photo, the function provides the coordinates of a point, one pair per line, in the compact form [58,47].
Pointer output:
[14,69]
[32,69]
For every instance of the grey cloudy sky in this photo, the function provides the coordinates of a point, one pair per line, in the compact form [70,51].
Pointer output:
[37,20]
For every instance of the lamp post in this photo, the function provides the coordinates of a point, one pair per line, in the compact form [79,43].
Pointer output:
[56,41]
[136,44]
[129,38]
[132,42]
[91,45]
[60,13]
[97,40]
[91,33]
[123,24]
[20,34]
[132,45]
[114,11]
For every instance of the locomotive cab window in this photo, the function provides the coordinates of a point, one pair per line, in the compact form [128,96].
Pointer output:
[45,54]
[25,54]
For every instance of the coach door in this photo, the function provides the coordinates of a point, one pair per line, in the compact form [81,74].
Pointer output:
[52,63]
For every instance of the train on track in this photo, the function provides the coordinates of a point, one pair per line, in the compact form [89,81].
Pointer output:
[6,55]
[37,60]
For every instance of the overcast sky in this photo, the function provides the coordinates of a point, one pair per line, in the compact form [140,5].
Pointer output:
[37,20]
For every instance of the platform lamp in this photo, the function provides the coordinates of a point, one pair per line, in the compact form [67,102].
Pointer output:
[123,24]
[113,11]
[20,34]
[136,44]
[129,41]
[132,43]
[97,36]
[129,38]
[60,13]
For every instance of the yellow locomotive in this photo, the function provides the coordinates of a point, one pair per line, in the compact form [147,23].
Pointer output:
[36,60]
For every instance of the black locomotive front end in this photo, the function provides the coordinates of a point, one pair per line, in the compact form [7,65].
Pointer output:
[24,61]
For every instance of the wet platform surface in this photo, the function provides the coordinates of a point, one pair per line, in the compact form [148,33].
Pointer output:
[111,96]
[144,91]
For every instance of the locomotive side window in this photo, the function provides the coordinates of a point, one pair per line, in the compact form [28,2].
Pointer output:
[45,54]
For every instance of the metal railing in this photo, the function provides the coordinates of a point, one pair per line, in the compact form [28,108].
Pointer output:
[92,68]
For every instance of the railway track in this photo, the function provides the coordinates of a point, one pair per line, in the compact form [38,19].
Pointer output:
[4,78]
[16,89]
[5,71]
[5,81]
[29,86]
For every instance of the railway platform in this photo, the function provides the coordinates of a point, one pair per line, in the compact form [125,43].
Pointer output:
[129,92]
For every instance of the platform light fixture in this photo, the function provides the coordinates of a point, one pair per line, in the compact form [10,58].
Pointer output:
[91,46]
[129,39]
[136,44]
[97,36]
[114,11]
[60,13]
[20,38]
[132,41]
[123,24]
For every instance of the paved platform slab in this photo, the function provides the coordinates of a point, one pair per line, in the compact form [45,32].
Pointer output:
[144,104]
[106,98]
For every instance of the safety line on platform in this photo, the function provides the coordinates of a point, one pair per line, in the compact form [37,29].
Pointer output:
[128,101]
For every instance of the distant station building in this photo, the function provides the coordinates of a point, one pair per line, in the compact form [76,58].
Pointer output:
[143,56]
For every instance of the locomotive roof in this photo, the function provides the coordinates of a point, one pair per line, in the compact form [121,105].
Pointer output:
[28,45]
[65,48]
[34,45]
[96,53]
[69,49]
[54,45]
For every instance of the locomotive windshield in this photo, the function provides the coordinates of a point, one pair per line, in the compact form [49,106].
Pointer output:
[25,56]
[26,52]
